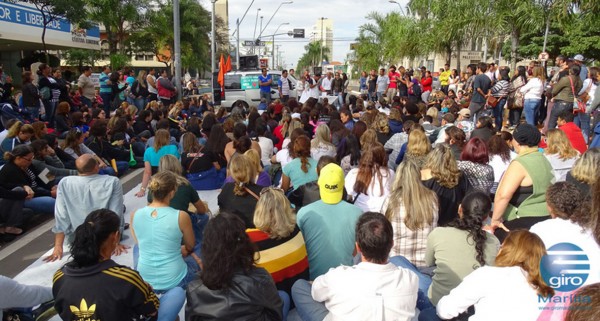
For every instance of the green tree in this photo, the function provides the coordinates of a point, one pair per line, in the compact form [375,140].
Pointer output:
[55,11]
[312,55]
[81,57]
[120,18]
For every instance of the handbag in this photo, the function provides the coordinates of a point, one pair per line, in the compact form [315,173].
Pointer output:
[578,104]
[492,101]
[207,180]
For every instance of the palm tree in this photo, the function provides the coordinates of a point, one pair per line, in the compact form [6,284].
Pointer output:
[312,55]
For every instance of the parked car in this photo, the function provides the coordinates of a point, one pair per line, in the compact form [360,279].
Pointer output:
[243,86]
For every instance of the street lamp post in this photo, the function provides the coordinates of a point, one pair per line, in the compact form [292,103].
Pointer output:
[321,55]
[399,5]
[273,43]
[281,4]
[213,49]
[237,33]
[255,24]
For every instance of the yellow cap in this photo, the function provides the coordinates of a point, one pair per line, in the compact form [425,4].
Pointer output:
[331,184]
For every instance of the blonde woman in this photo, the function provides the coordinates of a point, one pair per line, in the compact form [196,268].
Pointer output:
[281,131]
[262,178]
[586,169]
[153,154]
[293,124]
[417,148]
[18,134]
[240,196]
[434,113]
[515,280]
[441,175]
[321,145]
[139,90]
[413,211]
[368,140]
[560,153]
[277,234]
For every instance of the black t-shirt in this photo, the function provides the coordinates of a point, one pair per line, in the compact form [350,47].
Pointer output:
[448,198]
[484,83]
[372,83]
[242,206]
[402,88]
[197,162]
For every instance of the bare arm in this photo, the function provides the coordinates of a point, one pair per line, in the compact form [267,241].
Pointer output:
[59,240]
[185,224]
[285,182]
[510,182]
[145,179]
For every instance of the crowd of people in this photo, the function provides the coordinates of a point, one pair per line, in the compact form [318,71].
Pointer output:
[393,201]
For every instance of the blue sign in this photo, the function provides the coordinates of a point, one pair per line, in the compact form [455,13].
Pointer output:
[566,267]
[14,13]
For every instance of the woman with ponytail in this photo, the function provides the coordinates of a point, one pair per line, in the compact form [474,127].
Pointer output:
[303,168]
[160,230]
[462,246]
[93,285]
[516,281]
[240,196]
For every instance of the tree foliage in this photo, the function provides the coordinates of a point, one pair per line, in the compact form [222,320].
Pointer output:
[120,18]
[312,55]
[81,57]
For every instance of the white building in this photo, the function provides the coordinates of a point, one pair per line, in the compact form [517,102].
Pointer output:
[323,31]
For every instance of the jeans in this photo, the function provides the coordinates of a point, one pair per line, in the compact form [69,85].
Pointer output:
[514,116]
[380,95]
[498,112]
[392,92]
[582,120]
[50,107]
[307,308]
[266,95]
[140,103]
[12,211]
[107,171]
[171,302]
[41,204]
[557,109]
[423,301]
[85,101]
[106,100]
[285,298]
[475,108]
[530,108]
[425,96]
[429,314]
[34,112]
[372,96]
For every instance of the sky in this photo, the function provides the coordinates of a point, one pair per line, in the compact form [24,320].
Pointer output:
[347,16]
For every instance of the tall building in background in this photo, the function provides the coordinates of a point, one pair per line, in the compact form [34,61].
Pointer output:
[222,12]
[323,31]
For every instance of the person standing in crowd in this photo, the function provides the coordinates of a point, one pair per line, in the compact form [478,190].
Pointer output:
[160,230]
[515,279]
[31,96]
[500,91]
[326,84]
[165,88]
[520,199]
[445,78]
[372,289]
[63,86]
[372,86]
[362,83]
[481,89]
[85,86]
[516,99]
[82,194]
[139,91]
[284,86]
[265,81]
[93,285]
[337,86]
[231,286]
[49,92]
[152,86]
[533,91]
[426,82]
[392,91]
[327,224]
[381,87]
[106,89]
[564,92]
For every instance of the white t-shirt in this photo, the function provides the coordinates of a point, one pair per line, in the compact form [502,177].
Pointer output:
[151,89]
[373,200]
[500,166]
[326,83]
[560,167]
[367,291]
[558,230]
[313,92]
[266,149]
[484,288]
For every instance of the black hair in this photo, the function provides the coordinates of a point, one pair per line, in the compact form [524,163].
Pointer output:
[38,146]
[575,69]
[89,237]
[324,161]
[349,146]
[564,199]
[217,140]
[239,130]
[476,207]
[566,115]
[482,66]
[226,248]
[85,68]
[374,236]
[243,144]
[18,151]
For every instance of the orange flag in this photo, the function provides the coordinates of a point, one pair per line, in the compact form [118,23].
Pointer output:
[221,78]
[228,64]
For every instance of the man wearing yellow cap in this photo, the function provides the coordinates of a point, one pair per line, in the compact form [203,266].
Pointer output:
[328,224]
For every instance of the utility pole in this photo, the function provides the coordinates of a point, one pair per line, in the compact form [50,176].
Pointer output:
[177,45]
[254,34]
[213,49]
[321,56]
